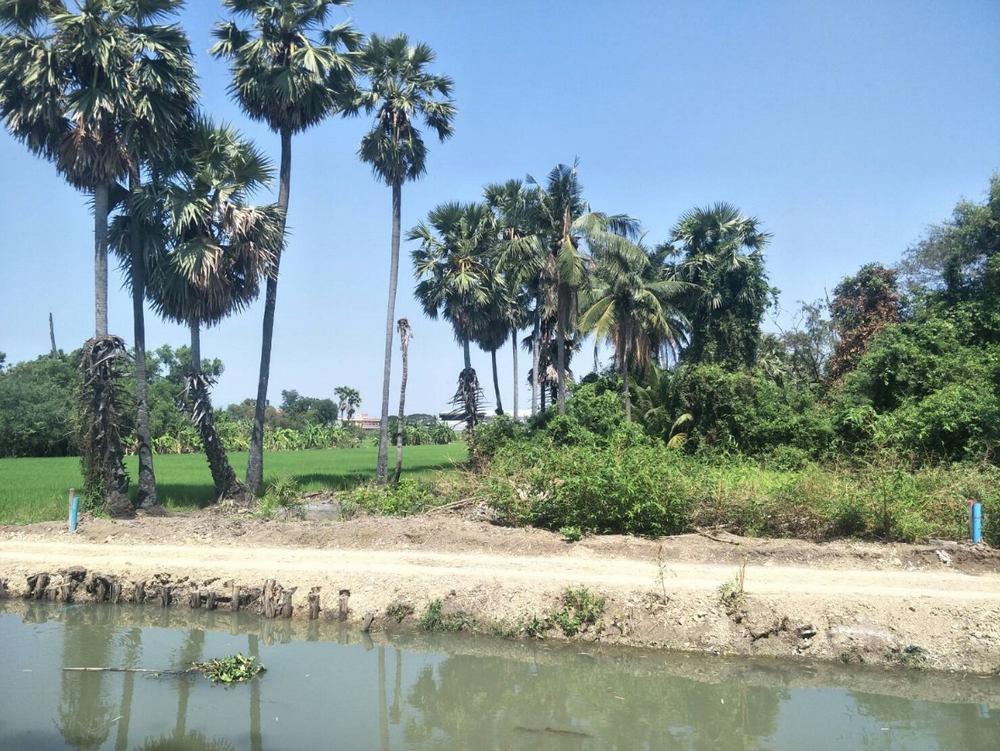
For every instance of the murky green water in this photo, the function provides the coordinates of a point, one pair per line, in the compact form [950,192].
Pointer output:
[331,689]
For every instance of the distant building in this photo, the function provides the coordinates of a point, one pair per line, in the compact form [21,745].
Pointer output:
[365,422]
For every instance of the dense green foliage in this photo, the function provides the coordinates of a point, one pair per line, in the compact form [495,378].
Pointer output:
[36,404]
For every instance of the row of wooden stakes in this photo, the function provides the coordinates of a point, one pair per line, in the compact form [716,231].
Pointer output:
[271,601]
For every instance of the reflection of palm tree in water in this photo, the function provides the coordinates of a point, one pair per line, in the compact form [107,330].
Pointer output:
[191,651]
[389,713]
[85,713]
[133,647]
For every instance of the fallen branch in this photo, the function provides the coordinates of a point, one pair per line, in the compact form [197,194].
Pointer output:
[135,670]
[704,533]
[453,505]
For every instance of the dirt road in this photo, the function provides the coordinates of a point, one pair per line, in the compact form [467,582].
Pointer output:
[935,605]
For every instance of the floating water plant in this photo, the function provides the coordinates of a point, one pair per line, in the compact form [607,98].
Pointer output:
[232,669]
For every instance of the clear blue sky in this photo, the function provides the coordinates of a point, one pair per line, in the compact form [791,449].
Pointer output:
[846,128]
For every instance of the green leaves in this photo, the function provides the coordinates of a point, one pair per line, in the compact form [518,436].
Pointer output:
[235,668]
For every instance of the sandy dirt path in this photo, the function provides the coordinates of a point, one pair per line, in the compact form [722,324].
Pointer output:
[937,605]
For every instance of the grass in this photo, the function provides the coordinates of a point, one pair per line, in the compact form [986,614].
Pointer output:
[35,490]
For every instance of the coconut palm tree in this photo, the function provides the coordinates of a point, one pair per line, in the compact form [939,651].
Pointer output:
[99,92]
[400,92]
[721,257]
[562,224]
[631,305]
[290,72]
[513,208]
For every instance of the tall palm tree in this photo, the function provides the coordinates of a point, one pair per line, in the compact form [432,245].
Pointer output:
[405,332]
[99,92]
[631,305]
[513,207]
[563,224]
[721,257]
[209,251]
[451,267]
[399,91]
[291,79]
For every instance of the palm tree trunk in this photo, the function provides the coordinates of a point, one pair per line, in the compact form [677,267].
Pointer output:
[561,364]
[146,494]
[466,355]
[536,357]
[404,344]
[382,468]
[496,381]
[102,206]
[227,485]
[513,341]
[255,461]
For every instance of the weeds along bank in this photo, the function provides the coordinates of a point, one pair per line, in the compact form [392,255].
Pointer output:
[574,480]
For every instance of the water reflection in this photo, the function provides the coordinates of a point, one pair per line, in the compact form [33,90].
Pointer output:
[426,693]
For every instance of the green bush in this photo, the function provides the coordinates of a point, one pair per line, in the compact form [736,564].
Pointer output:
[629,486]
[407,497]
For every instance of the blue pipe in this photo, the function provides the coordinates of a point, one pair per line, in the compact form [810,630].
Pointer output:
[976,522]
[73,512]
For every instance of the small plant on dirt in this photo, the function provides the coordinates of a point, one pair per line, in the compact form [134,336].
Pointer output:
[535,627]
[399,611]
[405,498]
[281,496]
[232,669]
[731,593]
[435,619]
[581,608]
[571,533]
[662,571]
[910,656]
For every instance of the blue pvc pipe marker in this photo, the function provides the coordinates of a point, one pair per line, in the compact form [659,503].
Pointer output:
[976,522]
[73,513]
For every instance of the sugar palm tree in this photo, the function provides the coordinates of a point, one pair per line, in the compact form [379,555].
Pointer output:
[209,250]
[400,92]
[405,332]
[290,72]
[631,305]
[350,400]
[451,267]
[99,92]
[721,257]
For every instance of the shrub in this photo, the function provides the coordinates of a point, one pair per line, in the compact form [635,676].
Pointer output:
[405,498]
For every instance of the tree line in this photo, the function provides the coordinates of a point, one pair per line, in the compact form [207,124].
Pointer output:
[37,415]
[106,91]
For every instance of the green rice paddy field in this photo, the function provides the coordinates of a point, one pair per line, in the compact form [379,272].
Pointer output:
[34,490]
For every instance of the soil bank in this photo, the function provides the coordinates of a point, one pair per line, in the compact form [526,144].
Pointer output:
[934,605]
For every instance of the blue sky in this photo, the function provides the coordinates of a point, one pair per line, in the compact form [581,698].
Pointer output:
[846,128]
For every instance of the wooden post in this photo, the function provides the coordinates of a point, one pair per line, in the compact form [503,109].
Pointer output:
[115,596]
[313,600]
[139,592]
[268,598]
[366,624]
[194,598]
[286,602]
[234,603]
[210,600]
[342,608]
[65,593]
[164,595]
